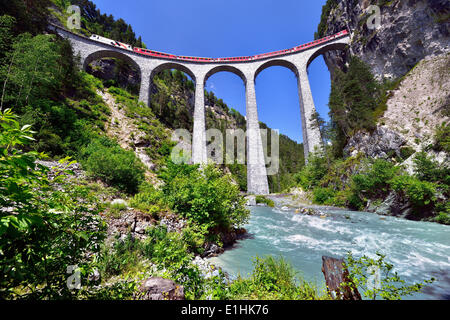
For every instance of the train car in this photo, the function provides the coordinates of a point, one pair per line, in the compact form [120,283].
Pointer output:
[111,42]
[153,53]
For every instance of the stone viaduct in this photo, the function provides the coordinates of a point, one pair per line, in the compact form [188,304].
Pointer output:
[298,62]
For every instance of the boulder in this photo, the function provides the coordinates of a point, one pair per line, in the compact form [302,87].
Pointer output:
[157,288]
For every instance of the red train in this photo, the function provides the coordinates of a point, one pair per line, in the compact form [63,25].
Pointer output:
[158,54]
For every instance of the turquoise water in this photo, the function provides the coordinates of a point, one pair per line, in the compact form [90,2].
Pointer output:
[418,250]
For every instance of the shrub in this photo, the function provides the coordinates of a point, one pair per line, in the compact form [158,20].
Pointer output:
[419,193]
[262,199]
[374,181]
[323,195]
[442,138]
[273,279]
[41,233]
[390,285]
[428,170]
[106,160]
[313,172]
[204,195]
[149,200]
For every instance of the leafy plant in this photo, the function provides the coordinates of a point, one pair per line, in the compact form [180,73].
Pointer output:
[43,230]
[273,279]
[106,160]
[206,196]
[262,199]
[375,277]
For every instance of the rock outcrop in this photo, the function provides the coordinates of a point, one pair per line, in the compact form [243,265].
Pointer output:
[382,143]
[157,288]
[410,30]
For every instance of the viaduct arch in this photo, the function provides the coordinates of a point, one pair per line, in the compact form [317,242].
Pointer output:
[247,68]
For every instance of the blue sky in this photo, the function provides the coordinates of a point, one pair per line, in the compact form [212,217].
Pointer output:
[225,28]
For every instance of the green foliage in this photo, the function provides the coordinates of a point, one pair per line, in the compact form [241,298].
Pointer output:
[116,209]
[173,113]
[442,138]
[106,160]
[323,195]
[363,275]
[205,196]
[311,174]
[273,279]
[426,169]
[419,193]
[262,199]
[94,22]
[353,102]
[374,181]
[149,200]
[326,10]
[41,232]
[406,152]
[31,16]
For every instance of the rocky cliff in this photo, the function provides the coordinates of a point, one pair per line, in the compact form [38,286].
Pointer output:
[412,46]
[409,31]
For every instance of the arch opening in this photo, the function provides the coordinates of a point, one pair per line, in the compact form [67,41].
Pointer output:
[172,96]
[277,96]
[115,69]
[226,68]
[277,63]
[225,108]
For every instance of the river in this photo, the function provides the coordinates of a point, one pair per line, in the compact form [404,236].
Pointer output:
[418,250]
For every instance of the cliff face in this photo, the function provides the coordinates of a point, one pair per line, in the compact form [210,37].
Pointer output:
[410,30]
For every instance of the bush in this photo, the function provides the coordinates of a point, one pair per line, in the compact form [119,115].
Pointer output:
[375,180]
[204,195]
[262,199]
[106,160]
[419,193]
[428,170]
[41,233]
[323,195]
[149,200]
[390,285]
[273,279]
[311,174]
[442,138]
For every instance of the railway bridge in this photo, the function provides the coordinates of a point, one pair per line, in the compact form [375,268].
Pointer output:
[297,61]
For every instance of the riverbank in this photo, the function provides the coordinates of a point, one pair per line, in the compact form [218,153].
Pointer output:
[418,250]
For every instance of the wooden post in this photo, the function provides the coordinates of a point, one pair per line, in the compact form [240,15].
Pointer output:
[335,274]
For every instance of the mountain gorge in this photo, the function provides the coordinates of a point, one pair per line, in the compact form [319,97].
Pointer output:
[87,182]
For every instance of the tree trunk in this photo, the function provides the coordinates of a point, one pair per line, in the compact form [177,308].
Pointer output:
[335,275]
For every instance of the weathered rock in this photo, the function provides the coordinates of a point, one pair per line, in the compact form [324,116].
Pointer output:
[382,143]
[211,250]
[129,222]
[409,31]
[173,223]
[157,288]
[393,205]
[230,237]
